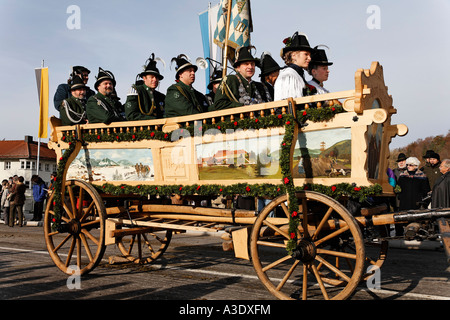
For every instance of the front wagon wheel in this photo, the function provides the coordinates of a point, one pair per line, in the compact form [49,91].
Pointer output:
[319,268]
[79,244]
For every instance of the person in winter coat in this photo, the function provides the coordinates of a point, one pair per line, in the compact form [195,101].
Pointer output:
[5,201]
[39,195]
[17,204]
[431,168]
[440,198]
[414,186]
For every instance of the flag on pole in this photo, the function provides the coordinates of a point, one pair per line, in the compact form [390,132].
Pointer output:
[208,23]
[240,25]
[42,86]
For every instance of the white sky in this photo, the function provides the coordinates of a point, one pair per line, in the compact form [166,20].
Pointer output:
[412,45]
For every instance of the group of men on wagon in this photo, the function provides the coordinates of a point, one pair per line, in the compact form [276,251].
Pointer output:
[78,104]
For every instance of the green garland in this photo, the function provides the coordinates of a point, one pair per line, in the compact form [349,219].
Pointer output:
[286,187]
[57,188]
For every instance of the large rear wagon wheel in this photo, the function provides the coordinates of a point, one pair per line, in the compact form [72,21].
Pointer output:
[318,268]
[79,244]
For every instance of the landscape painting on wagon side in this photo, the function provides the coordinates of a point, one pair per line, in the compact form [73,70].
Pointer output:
[241,159]
[112,165]
[323,153]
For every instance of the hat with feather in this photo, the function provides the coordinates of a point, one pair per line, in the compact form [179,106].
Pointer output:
[102,76]
[183,62]
[77,83]
[244,54]
[298,42]
[150,67]
[268,64]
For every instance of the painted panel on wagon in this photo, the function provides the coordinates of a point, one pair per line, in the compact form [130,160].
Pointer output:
[112,165]
[241,159]
[323,153]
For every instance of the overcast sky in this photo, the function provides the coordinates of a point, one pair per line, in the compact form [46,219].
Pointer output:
[410,40]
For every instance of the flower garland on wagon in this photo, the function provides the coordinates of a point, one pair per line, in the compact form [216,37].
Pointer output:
[287,186]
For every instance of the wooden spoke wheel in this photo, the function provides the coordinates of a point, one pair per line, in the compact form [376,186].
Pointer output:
[146,246]
[78,245]
[318,267]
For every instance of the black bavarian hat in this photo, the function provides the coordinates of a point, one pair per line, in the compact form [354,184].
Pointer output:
[104,75]
[401,157]
[183,62]
[268,64]
[298,42]
[319,57]
[429,154]
[243,54]
[151,68]
[79,70]
[215,77]
[77,83]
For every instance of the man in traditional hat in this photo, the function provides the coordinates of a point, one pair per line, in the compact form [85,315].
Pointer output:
[73,109]
[270,70]
[144,102]
[318,69]
[214,82]
[63,90]
[239,90]
[104,107]
[431,168]
[291,82]
[401,168]
[181,98]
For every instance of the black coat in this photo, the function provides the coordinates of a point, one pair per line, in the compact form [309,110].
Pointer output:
[414,187]
[440,197]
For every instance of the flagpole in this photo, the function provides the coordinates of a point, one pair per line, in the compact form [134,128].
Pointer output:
[225,57]
[39,144]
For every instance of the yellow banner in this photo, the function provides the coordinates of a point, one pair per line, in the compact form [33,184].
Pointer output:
[42,81]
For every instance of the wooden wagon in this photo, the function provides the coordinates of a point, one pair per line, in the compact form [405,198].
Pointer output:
[135,184]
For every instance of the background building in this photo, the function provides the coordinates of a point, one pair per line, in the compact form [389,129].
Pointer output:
[20,157]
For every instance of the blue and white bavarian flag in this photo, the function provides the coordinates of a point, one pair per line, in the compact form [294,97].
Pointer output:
[240,24]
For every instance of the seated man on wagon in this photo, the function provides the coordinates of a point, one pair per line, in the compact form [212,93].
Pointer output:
[270,71]
[104,107]
[239,90]
[144,102]
[181,98]
[318,69]
[63,90]
[73,109]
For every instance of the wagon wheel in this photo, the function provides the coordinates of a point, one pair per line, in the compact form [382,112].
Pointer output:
[144,247]
[376,253]
[318,268]
[79,244]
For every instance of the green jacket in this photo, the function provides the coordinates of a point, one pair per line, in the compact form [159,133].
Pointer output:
[72,111]
[144,103]
[102,109]
[182,100]
[229,95]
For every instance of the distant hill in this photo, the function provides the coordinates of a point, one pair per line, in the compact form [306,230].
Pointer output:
[439,144]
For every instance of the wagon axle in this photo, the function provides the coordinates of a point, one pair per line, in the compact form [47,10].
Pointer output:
[305,251]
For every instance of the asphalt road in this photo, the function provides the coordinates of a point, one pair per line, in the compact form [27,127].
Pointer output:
[194,268]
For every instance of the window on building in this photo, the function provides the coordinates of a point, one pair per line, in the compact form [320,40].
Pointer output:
[22,164]
[47,167]
[28,165]
[7,165]
[55,168]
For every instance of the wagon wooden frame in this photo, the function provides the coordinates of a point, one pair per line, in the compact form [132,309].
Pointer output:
[311,231]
